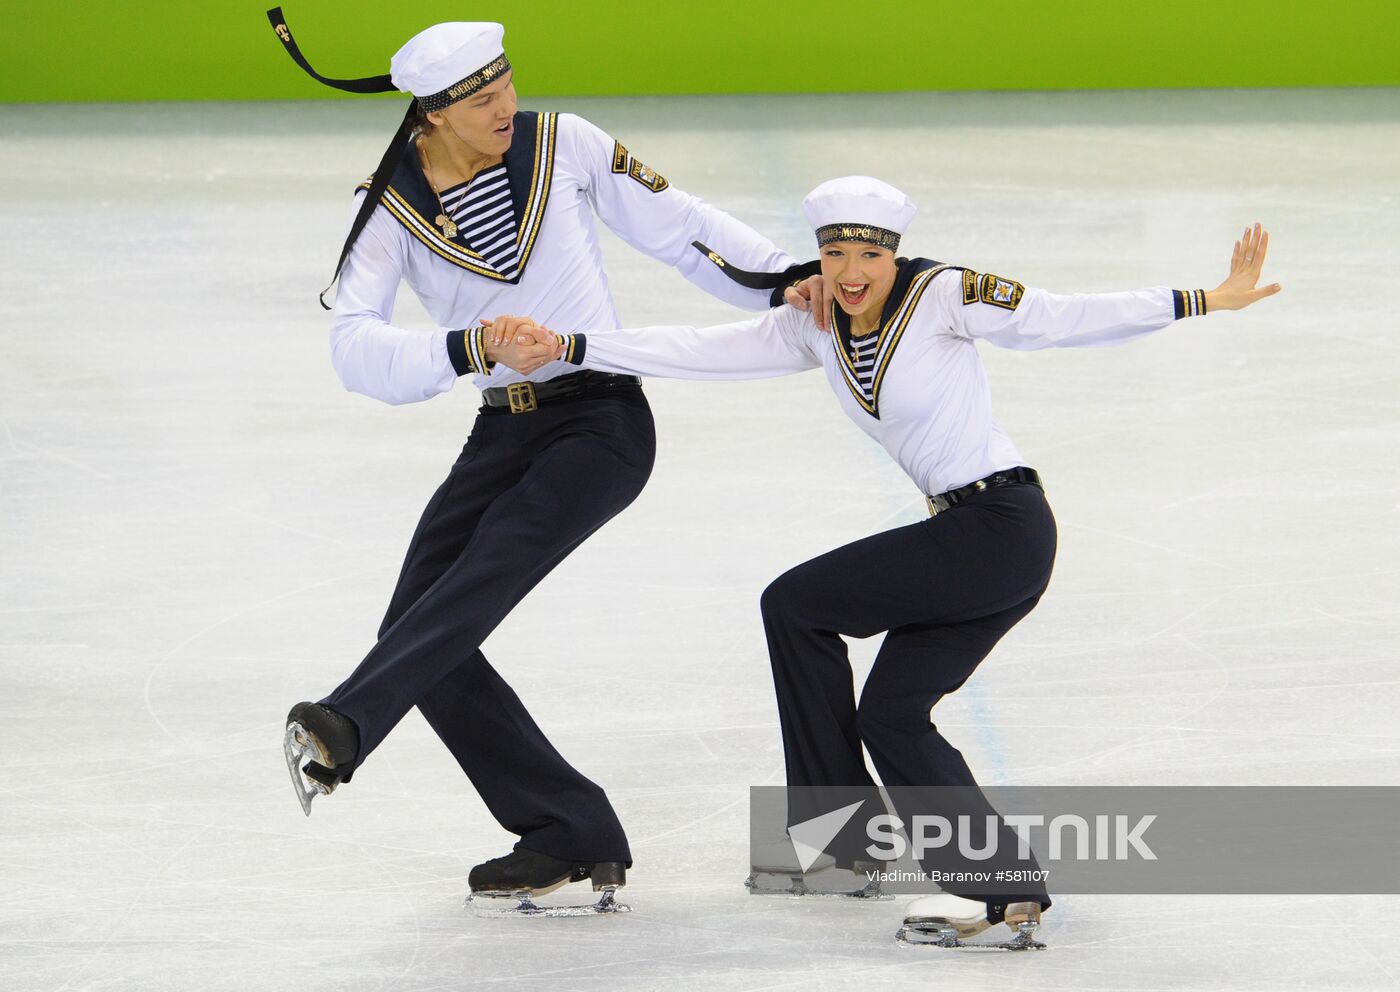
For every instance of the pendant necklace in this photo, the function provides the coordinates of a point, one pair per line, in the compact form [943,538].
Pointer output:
[855,348]
[448,225]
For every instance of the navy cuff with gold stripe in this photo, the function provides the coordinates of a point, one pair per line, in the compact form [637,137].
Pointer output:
[467,352]
[1189,302]
[575,346]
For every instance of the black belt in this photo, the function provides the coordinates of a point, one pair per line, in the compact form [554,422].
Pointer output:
[1006,477]
[522,397]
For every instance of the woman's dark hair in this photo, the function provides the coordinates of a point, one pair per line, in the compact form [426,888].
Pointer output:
[421,125]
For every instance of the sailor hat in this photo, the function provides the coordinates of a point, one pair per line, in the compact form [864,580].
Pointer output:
[449,62]
[858,208]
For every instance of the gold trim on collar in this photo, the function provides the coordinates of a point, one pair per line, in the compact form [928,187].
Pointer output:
[539,188]
[885,343]
[431,238]
[527,225]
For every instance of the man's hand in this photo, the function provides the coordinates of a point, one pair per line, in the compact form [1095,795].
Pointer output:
[521,344]
[811,295]
[1238,290]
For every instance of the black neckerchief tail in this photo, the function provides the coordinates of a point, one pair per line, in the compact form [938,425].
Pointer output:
[368,84]
[776,282]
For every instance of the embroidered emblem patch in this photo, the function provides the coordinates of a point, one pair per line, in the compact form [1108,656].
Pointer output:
[622,161]
[1001,292]
[969,286]
[620,157]
[648,177]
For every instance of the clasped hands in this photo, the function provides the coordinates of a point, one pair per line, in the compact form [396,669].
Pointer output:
[521,344]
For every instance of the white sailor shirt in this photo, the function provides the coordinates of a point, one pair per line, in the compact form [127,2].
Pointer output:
[928,402]
[561,170]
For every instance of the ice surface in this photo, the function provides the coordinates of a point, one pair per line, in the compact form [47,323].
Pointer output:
[200,527]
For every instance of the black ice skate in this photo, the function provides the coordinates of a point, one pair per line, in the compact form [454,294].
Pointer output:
[947,920]
[330,740]
[777,871]
[506,886]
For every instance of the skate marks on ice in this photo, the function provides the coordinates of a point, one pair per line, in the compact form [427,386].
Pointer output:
[250,514]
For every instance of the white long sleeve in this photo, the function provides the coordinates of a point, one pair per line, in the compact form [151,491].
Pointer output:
[651,215]
[370,354]
[773,344]
[926,399]
[1007,314]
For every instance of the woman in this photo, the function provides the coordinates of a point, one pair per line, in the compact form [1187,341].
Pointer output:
[903,361]
[482,208]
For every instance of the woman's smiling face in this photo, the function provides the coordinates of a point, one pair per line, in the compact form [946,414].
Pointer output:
[859,276]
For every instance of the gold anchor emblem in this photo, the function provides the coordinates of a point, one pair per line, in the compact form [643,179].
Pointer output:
[283,33]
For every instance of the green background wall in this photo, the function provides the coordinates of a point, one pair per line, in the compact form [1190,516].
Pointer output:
[169,50]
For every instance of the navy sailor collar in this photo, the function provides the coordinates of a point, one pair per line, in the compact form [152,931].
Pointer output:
[912,277]
[529,163]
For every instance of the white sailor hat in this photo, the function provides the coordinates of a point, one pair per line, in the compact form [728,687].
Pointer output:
[858,208]
[449,62]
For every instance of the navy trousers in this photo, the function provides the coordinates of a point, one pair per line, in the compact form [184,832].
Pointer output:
[946,590]
[527,489]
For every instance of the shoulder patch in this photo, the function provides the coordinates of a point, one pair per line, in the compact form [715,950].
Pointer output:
[623,162]
[648,177]
[620,157]
[992,289]
[969,286]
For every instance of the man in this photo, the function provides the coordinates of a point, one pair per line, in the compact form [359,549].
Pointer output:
[483,209]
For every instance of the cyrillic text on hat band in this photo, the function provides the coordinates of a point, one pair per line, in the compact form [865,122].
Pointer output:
[858,232]
[464,88]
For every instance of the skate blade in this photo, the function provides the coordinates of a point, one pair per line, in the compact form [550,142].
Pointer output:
[297,746]
[500,905]
[946,935]
[764,883]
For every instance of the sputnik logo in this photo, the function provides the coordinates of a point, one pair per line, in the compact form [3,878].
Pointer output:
[810,837]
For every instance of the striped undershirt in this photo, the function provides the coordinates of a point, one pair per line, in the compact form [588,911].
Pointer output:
[481,209]
[863,351]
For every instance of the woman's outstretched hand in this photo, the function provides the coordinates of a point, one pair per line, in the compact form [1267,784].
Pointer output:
[1239,288]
